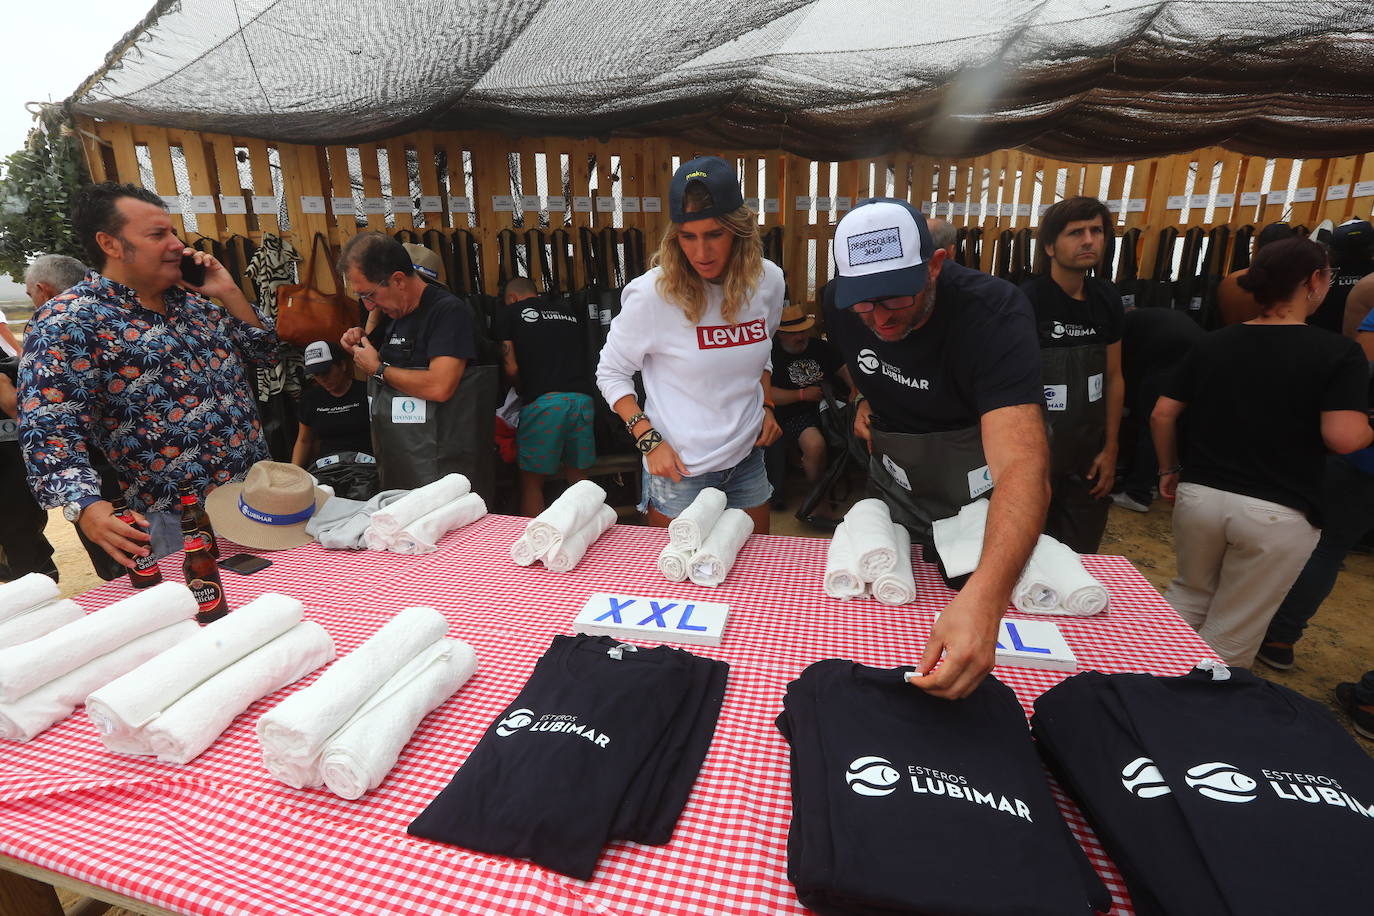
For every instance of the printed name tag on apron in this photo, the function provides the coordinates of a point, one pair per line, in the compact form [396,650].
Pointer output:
[1095,387]
[1056,397]
[408,410]
[9,430]
[979,481]
[897,473]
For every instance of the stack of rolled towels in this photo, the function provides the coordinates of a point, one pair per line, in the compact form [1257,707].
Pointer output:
[414,523]
[347,730]
[705,540]
[29,608]
[44,679]
[176,704]
[560,535]
[870,552]
[1055,582]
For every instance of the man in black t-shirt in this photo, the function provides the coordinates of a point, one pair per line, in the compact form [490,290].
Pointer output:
[554,383]
[800,363]
[1079,321]
[415,360]
[947,362]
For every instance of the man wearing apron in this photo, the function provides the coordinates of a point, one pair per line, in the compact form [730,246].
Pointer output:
[425,424]
[946,361]
[1079,319]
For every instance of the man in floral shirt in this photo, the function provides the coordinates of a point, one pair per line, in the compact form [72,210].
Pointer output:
[142,364]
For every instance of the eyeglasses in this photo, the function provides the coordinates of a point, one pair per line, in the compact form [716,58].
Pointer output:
[367,297]
[887,304]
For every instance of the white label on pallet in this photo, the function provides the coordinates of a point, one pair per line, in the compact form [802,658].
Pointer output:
[1251,198]
[376,206]
[629,204]
[401,204]
[232,203]
[700,623]
[1226,200]
[343,206]
[558,202]
[1338,192]
[772,205]
[173,202]
[651,204]
[1005,210]
[1135,205]
[1364,188]
[1113,206]
[960,208]
[265,204]
[503,203]
[1199,200]
[605,205]
[582,205]
[312,204]
[1175,202]
[460,204]
[752,203]
[1278,197]
[529,201]
[823,203]
[430,203]
[1023,209]
[1304,195]
[844,203]
[205,203]
[805,203]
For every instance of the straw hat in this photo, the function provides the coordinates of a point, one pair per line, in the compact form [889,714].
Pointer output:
[268,510]
[794,318]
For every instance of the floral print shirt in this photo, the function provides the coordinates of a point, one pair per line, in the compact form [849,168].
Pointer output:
[166,398]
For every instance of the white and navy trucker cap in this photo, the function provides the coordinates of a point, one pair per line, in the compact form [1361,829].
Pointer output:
[320,355]
[882,248]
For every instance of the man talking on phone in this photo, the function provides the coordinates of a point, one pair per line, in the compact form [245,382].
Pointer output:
[139,361]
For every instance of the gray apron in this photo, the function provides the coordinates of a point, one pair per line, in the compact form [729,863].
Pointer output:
[924,477]
[1075,406]
[454,435]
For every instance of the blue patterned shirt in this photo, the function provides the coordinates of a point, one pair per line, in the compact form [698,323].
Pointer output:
[164,397]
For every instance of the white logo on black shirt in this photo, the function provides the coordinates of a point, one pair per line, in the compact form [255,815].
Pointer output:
[1222,782]
[530,315]
[869,363]
[873,776]
[1225,782]
[1142,778]
[1060,329]
[518,719]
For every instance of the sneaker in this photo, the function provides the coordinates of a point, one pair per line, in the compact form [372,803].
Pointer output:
[1277,655]
[1126,501]
[1361,716]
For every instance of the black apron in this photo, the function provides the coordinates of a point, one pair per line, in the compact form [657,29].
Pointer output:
[1075,405]
[924,477]
[455,435]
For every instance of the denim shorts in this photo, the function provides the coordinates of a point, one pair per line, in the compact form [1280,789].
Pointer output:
[745,486]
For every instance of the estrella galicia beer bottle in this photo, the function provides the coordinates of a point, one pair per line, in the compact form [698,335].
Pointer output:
[146,572]
[202,575]
[191,508]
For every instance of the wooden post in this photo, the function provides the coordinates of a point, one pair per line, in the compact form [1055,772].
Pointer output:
[164,176]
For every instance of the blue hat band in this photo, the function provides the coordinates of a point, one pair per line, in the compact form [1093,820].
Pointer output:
[269,518]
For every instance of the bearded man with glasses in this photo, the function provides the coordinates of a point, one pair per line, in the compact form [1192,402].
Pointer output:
[948,363]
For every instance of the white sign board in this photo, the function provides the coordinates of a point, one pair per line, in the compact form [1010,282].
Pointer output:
[700,623]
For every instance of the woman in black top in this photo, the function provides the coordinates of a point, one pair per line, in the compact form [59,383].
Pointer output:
[1260,403]
[333,412]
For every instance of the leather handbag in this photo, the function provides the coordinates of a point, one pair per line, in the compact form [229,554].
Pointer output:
[306,314]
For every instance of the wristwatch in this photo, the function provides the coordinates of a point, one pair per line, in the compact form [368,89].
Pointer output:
[380,374]
[72,510]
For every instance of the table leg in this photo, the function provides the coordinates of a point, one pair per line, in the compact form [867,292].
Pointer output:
[21,896]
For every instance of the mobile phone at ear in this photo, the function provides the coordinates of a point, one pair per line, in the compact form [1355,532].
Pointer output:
[192,272]
[245,564]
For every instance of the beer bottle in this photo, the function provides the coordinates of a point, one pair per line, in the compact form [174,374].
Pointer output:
[202,575]
[146,572]
[191,508]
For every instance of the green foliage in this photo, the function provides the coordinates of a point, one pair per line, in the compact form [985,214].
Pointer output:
[36,190]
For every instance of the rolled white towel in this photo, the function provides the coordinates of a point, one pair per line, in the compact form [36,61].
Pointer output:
[41,620]
[959,538]
[298,773]
[31,664]
[522,551]
[190,725]
[569,550]
[689,530]
[1055,582]
[419,502]
[870,531]
[577,506]
[26,593]
[675,562]
[897,585]
[358,757]
[40,709]
[130,702]
[842,579]
[296,728]
[713,562]
[421,535]
[375,540]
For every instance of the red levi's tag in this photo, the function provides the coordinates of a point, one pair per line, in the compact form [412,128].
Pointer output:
[711,337]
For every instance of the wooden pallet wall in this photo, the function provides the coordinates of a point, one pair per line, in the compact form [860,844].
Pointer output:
[487,182]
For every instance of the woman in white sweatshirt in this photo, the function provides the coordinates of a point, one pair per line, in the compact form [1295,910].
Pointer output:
[699,326]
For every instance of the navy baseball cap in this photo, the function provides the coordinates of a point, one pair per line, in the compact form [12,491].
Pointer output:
[1352,233]
[721,183]
[882,248]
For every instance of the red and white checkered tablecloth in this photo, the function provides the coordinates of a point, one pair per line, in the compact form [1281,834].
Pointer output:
[220,836]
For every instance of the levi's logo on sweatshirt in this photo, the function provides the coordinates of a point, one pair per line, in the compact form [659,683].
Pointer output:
[713,336]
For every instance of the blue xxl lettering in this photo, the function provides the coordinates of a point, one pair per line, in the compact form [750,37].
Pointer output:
[616,607]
